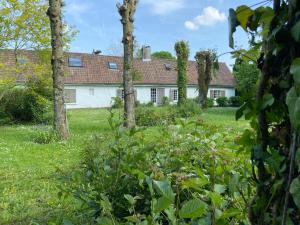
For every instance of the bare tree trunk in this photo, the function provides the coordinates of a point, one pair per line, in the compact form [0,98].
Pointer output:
[127,11]
[57,61]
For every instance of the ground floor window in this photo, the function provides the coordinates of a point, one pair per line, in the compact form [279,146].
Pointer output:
[153,95]
[174,95]
[70,95]
[217,93]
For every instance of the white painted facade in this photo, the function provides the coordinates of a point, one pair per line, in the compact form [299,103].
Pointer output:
[101,96]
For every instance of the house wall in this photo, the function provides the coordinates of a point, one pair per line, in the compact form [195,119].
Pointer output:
[102,95]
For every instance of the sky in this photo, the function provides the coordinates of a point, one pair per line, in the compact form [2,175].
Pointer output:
[158,23]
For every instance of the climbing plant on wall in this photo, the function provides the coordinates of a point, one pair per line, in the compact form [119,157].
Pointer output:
[275,111]
[182,52]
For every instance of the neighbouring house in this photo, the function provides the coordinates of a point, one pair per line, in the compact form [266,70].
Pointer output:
[93,80]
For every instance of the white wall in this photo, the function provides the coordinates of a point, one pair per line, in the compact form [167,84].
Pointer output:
[103,94]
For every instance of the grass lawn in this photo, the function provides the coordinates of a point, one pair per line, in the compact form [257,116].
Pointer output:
[30,172]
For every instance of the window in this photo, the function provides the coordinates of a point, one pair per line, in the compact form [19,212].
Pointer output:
[153,95]
[75,62]
[175,95]
[92,91]
[70,95]
[121,94]
[112,66]
[217,93]
[21,60]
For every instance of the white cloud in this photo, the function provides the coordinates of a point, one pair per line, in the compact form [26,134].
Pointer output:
[209,17]
[163,7]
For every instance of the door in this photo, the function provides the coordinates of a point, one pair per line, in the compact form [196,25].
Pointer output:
[160,95]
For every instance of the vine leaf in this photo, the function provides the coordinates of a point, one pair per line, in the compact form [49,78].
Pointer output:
[233,23]
[291,101]
[295,191]
[268,100]
[194,208]
[296,31]
[243,14]
[295,70]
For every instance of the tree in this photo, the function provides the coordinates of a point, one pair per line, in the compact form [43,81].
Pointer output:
[60,117]
[182,52]
[205,63]
[127,11]
[163,55]
[275,112]
[246,75]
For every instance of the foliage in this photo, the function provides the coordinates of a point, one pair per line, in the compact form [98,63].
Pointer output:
[235,101]
[246,76]
[210,103]
[274,114]
[22,104]
[178,179]
[153,116]
[45,136]
[222,101]
[117,103]
[189,109]
[182,52]
[163,55]
[165,101]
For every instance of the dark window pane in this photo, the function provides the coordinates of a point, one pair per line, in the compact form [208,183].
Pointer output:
[112,66]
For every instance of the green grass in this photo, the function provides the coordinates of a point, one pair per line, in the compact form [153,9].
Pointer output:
[30,172]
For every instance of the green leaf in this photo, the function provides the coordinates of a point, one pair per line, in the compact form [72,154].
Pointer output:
[240,112]
[296,31]
[165,189]
[216,199]
[233,23]
[231,212]
[268,100]
[130,199]
[105,221]
[195,183]
[297,159]
[67,222]
[243,13]
[161,204]
[295,191]
[192,209]
[291,101]
[295,70]
[219,188]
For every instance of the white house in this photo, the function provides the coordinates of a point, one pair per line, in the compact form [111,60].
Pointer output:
[93,80]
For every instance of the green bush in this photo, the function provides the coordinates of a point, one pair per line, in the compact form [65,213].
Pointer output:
[117,103]
[45,136]
[165,101]
[235,101]
[152,116]
[182,176]
[222,101]
[188,109]
[210,103]
[22,104]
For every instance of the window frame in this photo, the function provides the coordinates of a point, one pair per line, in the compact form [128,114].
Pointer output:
[75,65]
[217,93]
[153,95]
[111,67]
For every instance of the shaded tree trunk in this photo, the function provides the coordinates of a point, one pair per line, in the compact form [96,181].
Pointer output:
[205,63]
[57,61]
[127,11]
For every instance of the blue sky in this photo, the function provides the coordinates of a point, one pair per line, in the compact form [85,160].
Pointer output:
[158,23]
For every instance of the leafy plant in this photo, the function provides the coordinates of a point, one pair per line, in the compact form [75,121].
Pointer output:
[222,101]
[117,103]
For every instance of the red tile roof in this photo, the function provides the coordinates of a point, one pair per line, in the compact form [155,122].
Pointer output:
[95,70]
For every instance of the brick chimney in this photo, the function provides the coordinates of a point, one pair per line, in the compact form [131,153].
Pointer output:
[146,52]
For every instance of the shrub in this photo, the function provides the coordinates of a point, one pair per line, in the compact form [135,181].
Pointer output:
[165,101]
[222,101]
[210,103]
[235,101]
[45,136]
[152,116]
[117,103]
[188,109]
[137,103]
[22,104]
[150,104]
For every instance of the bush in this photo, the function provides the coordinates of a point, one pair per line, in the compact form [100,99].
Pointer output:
[152,116]
[188,109]
[222,101]
[235,101]
[117,103]
[165,101]
[45,136]
[210,103]
[150,104]
[22,104]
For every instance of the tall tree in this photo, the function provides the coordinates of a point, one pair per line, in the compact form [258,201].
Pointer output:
[182,52]
[60,118]
[275,112]
[163,55]
[127,11]
[205,62]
